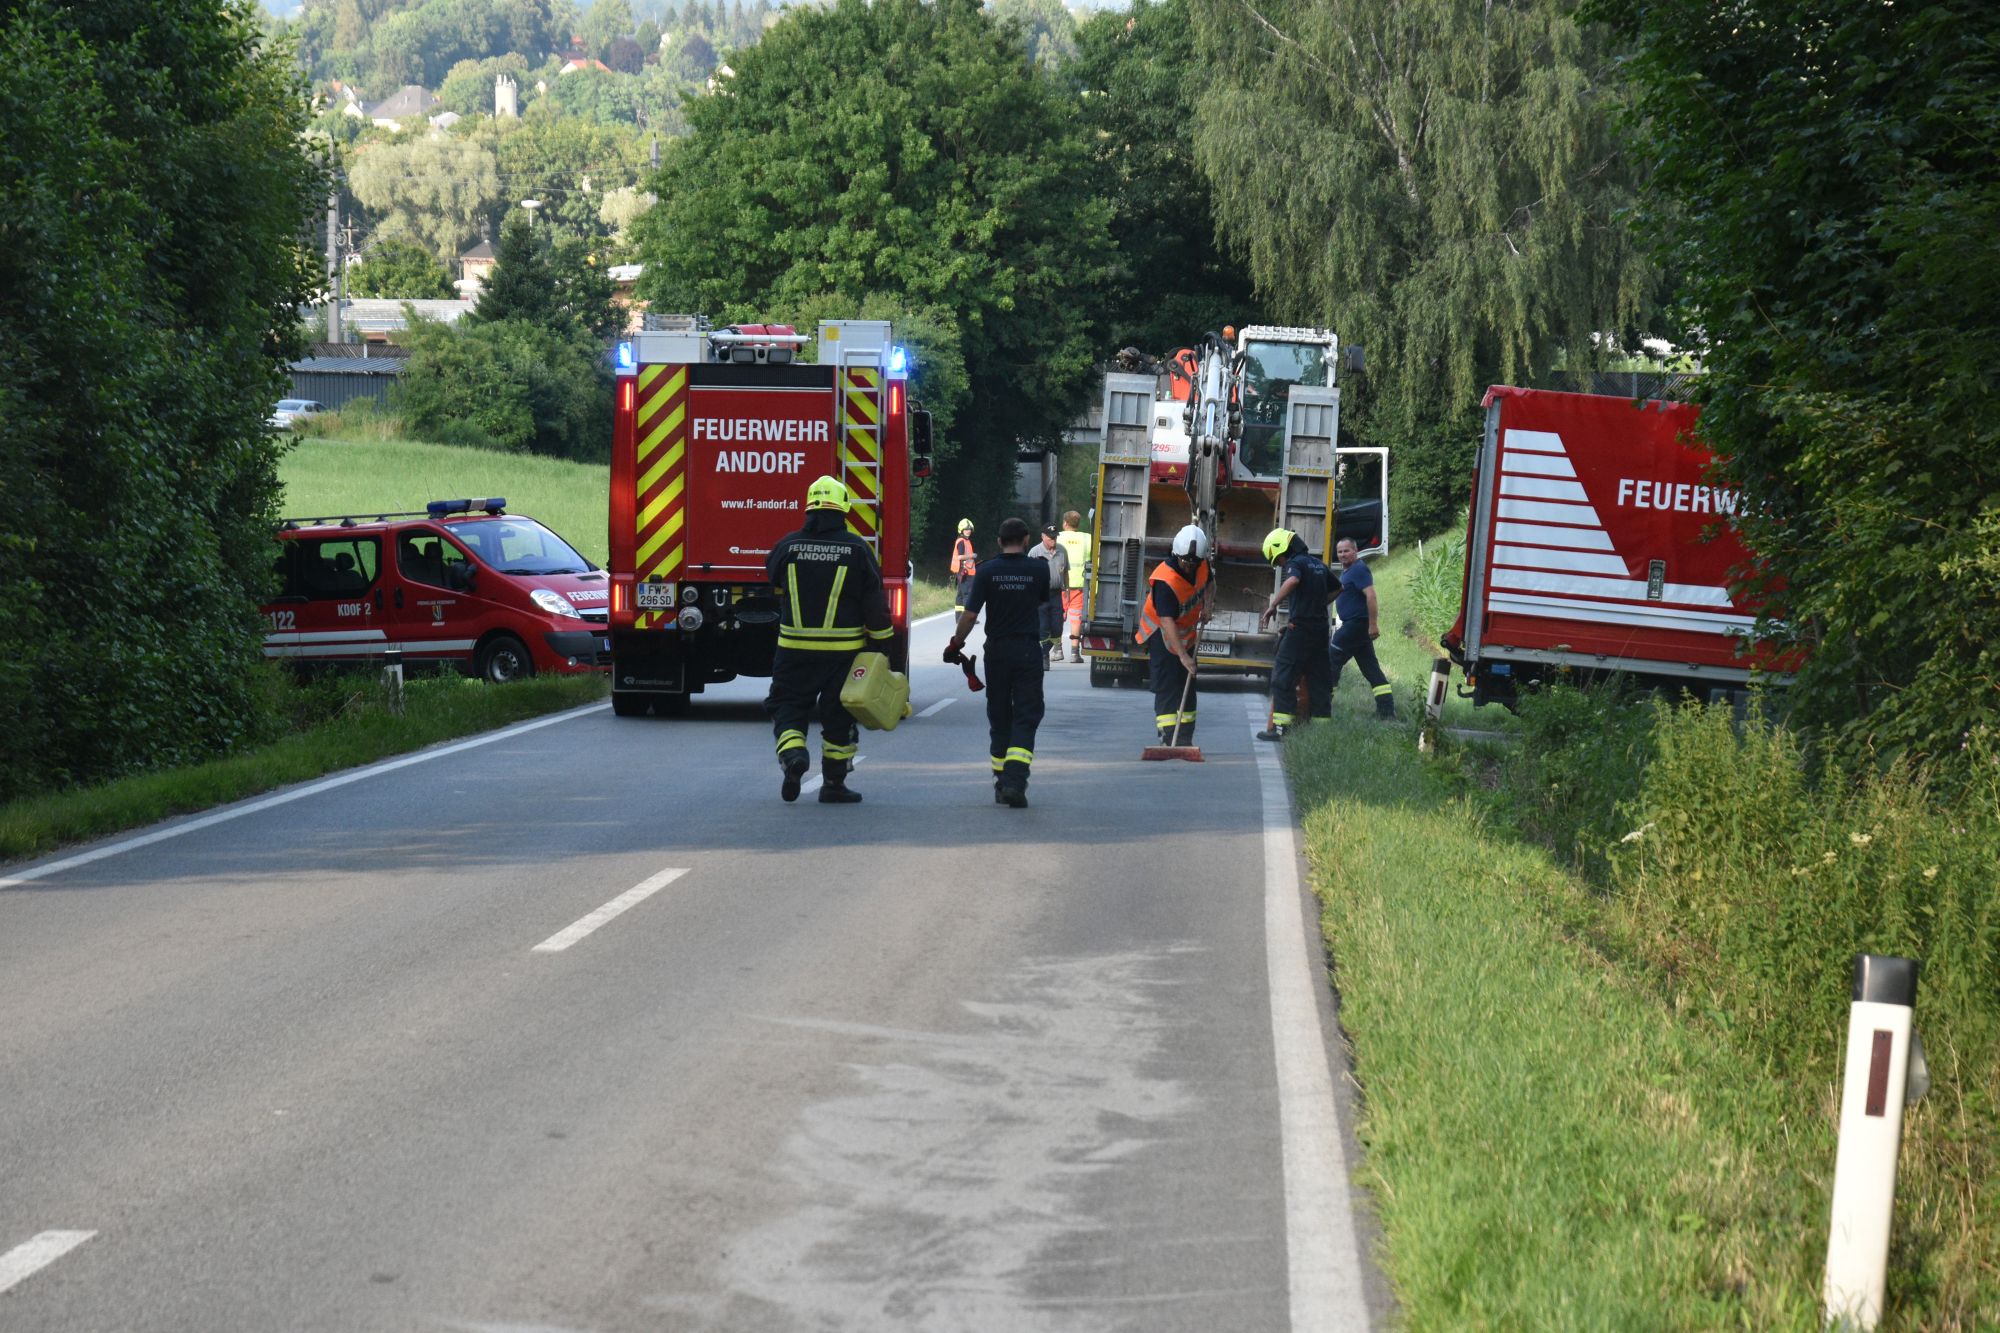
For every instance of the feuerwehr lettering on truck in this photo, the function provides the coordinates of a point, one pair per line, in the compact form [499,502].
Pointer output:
[751,453]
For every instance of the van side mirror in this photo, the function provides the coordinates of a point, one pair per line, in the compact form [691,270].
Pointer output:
[920,436]
[1351,358]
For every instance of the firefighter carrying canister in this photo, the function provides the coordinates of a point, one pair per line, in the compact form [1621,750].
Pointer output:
[1176,598]
[834,606]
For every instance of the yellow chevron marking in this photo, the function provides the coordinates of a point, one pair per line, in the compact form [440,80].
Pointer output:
[862,409]
[667,463]
[661,503]
[675,522]
[647,374]
[669,425]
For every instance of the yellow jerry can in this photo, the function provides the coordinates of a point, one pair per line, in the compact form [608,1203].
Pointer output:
[878,697]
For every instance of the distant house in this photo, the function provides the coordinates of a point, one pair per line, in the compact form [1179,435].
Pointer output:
[406,106]
[473,266]
[577,65]
[444,120]
[375,318]
[625,277]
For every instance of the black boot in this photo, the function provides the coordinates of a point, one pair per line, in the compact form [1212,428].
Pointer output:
[1385,708]
[1008,794]
[795,765]
[837,793]
[1277,732]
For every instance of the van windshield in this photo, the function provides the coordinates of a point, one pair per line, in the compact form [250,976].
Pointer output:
[520,546]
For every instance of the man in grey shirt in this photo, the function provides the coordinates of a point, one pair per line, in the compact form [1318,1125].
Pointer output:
[1048,549]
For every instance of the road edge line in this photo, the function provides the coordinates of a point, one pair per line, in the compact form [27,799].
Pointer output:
[1322,1247]
[296,794]
[36,1253]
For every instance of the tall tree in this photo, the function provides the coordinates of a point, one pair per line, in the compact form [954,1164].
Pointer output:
[434,189]
[1440,180]
[898,149]
[402,269]
[1834,204]
[1137,77]
[153,198]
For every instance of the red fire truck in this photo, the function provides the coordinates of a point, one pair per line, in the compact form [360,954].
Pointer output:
[1599,544]
[718,434]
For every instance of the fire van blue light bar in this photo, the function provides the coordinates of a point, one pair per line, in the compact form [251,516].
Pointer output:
[439,508]
[899,362]
[628,358]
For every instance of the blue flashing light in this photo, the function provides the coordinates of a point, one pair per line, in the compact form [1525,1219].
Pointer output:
[628,358]
[899,362]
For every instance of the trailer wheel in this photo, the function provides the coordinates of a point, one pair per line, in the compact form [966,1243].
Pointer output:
[1100,676]
[631,705]
[504,658]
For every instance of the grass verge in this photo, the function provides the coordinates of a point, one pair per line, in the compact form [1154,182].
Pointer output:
[1598,1093]
[928,598]
[360,728]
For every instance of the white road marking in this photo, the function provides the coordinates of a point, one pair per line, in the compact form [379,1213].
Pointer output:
[1321,1248]
[813,783]
[937,616]
[31,1256]
[237,812]
[624,902]
[939,706]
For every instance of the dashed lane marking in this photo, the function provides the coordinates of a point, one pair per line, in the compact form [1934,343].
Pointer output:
[939,706]
[20,877]
[623,903]
[1323,1254]
[31,1256]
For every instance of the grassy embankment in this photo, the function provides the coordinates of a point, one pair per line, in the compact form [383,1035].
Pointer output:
[320,727]
[1601,1076]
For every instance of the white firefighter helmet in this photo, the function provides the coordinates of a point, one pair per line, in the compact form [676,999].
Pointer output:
[1191,541]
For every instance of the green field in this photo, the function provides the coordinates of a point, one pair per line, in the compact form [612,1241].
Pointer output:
[333,476]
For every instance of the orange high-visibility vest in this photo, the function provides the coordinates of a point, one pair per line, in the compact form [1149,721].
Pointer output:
[963,559]
[1188,593]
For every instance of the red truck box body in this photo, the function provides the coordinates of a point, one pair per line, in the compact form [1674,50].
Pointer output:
[1598,543]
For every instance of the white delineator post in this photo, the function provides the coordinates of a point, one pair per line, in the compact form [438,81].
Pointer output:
[1879,1028]
[1434,704]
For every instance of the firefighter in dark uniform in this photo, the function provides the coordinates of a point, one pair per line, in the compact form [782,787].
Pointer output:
[831,590]
[1302,647]
[1011,588]
[1168,618]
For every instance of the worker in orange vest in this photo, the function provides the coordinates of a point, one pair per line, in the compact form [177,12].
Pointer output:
[1167,620]
[964,564]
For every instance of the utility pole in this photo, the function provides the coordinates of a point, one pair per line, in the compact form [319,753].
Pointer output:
[334,268]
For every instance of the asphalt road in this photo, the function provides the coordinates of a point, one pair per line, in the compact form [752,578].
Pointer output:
[924,1063]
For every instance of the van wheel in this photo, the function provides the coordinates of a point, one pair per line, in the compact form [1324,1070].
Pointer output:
[631,705]
[503,659]
[673,705]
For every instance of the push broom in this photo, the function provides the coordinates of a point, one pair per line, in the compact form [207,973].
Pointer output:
[1191,753]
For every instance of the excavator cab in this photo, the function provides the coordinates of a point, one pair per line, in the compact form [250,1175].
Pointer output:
[1272,363]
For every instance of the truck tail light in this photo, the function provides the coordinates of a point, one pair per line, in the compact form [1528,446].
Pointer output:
[899,604]
[895,398]
[621,600]
[625,396]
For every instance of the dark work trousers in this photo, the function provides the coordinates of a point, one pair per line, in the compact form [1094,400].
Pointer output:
[805,684]
[1014,670]
[1169,676]
[1302,650]
[1351,643]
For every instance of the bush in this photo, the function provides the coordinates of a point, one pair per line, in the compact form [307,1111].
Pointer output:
[1746,883]
[1438,585]
[507,385]
[149,282]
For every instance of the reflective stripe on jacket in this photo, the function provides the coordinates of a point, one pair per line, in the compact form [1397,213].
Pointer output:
[1188,594]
